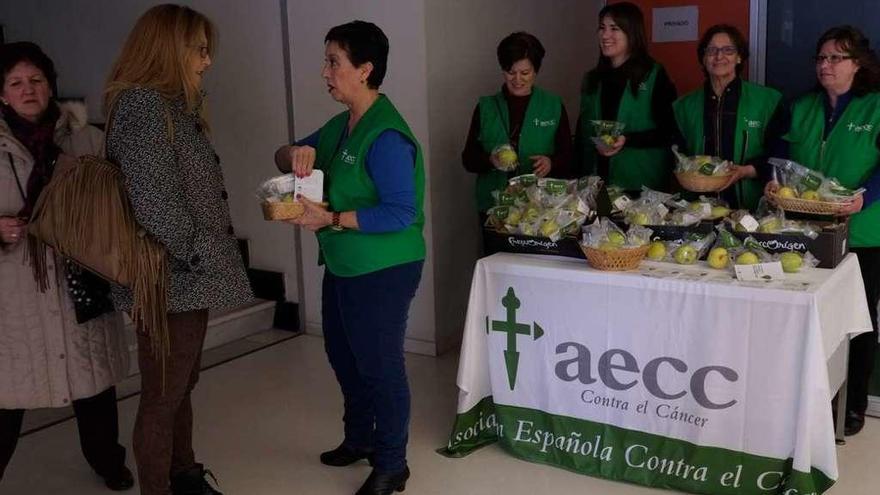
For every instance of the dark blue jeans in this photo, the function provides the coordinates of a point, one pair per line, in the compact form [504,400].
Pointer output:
[364,320]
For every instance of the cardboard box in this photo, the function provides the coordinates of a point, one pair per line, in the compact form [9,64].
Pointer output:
[829,248]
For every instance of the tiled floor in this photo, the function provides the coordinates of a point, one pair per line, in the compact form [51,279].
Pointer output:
[262,420]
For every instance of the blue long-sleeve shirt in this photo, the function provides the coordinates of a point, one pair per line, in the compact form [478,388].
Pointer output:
[390,163]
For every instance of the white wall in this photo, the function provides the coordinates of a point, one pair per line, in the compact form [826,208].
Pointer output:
[403,21]
[245,89]
[462,39]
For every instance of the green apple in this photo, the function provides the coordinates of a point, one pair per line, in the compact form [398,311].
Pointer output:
[791,262]
[549,227]
[608,139]
[514,217]
[507,158]
[720,211]
[718,258]
[770,226]
[616,238]
[747,258]
[685,255]
[810,195]
[639,218]
[608,246]
[657,251]
[786,192]
[531,214]
[287,198]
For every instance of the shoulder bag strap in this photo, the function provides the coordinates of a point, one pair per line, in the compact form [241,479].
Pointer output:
[17,180]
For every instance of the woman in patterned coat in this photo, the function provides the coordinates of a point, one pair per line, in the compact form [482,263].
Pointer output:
[157,134]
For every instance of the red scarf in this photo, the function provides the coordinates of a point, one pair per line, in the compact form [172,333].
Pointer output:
[39,140]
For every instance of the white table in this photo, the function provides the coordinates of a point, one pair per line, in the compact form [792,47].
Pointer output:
[669,376]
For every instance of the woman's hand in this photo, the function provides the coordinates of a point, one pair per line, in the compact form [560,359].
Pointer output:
[541,164]
[12,230]
[302,160]
[740,172]
[853,206]
[315,217]
[771,188]
[614,149]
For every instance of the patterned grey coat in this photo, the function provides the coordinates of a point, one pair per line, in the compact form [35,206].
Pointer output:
[177,193]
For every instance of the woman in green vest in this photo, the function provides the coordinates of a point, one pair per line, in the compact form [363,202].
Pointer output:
[372,247]
[730,117]
[627,86]
[836,130]
[530,119]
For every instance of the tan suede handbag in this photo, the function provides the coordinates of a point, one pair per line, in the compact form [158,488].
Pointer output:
[84,214]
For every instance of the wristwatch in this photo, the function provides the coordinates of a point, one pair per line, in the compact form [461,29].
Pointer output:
[335,225]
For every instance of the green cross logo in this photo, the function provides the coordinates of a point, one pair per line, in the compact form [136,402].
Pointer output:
[512,328]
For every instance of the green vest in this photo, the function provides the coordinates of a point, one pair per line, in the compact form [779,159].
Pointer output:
[756,107]
[537,137]
[632,167]
[850,153]
[348,187]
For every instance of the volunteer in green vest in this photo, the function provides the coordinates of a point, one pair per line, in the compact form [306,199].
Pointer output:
[730,117]
[371,244]
[836,130]
[530,119]
[627,86]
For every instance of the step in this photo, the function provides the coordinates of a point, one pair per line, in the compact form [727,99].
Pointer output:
[224,326]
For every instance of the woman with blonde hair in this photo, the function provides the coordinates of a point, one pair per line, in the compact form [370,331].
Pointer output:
[157,135]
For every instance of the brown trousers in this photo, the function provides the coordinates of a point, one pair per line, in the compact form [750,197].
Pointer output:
[163,430]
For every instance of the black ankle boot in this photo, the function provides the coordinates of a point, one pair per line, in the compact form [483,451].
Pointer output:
[193,482]
[119,479]
[345,455]
[853,423]
[384,483]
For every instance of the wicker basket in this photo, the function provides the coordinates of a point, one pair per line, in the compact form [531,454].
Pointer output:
[697,182]
[618,260]
[278,210]
[807,205]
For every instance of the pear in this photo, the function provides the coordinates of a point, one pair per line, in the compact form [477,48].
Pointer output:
[657,251]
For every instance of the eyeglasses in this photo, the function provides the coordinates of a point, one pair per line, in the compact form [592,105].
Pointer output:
[203,50]
[831,59]
[724,50]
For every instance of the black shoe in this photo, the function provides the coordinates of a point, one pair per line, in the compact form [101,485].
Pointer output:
[193,482]
[119,480]
[345,455]
[853,423]
[384,483]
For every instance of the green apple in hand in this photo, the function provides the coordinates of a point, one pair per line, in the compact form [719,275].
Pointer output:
[507,158]
[685,255]
[747,258]
[718,258]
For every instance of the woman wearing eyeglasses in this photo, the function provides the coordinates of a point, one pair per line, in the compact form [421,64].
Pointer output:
[730,117]
[836,130]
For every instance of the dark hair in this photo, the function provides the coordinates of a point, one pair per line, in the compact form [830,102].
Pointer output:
[363,42]
[854,42]
[742,46]
[12,54]
[518,46]
[628,17]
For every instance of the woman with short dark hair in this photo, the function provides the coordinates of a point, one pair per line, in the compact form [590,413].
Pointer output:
[627,86]
[836,130]
[729,117]
[527,117]
[372,248]
[58,347]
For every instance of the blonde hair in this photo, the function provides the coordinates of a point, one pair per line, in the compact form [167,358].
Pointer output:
[157,54]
